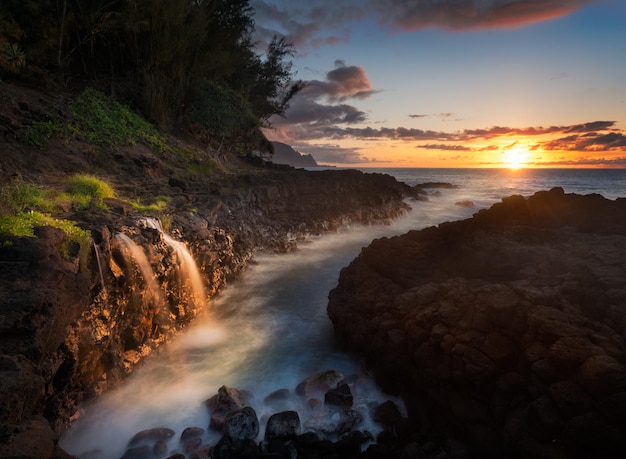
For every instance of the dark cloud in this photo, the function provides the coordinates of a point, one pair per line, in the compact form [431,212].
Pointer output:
[342,83]
[418,116]
[594,126]
[612,141]
[470,14]
[445,147]
[309,25]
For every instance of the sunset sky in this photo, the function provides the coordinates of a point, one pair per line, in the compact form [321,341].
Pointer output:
[454,83]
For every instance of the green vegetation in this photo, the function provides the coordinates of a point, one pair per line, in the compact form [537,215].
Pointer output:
[23,208]
[98,120]
[103,121]
[85,190]
[157,204]
[155,54]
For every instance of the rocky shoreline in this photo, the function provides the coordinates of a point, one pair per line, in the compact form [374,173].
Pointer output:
[505,330]
[71,332]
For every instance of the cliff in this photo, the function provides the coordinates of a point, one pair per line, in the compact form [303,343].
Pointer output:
[284,154]
[73,327]
[505,330]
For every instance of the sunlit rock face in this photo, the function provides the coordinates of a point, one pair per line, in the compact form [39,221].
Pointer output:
[506,329]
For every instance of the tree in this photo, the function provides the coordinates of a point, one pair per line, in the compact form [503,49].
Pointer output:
[273,87]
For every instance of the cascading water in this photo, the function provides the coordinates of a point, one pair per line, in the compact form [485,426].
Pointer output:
[100,270]
[268,332]
[187,270]
[132,251]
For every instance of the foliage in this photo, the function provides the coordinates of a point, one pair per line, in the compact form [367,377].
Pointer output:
[24,207]
[99,120]
[157,204]
[12,58]
[154,53]
[41,132]
[103,121]
[20,196]
[216,111]
[87,189]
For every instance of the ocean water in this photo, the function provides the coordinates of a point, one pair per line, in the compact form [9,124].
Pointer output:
[270,330]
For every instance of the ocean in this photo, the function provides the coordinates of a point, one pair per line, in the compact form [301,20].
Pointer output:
[270,330]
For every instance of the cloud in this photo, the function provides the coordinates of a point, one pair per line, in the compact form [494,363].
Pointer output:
[470,14]
[342,83]
[605,162]
[418,116]
[612,141]
[307,25]
[310,25]
[445,147]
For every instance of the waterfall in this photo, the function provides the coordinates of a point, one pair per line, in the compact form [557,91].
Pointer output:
[98,259]
[187,270]
[152,290]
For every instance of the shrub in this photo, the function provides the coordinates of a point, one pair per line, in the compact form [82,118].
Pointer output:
[98,120]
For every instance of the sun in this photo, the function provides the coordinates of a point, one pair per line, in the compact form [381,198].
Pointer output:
[516,157]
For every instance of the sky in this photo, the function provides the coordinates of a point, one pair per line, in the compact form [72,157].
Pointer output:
[453,83]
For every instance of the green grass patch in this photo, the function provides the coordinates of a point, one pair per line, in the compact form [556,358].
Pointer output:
[85,190]
[156,204]
[20,196]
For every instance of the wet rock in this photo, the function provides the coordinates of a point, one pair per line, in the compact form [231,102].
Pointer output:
[156,434]
[241,424]
[191,432]
[226,400]
[341,396]
[283,425]
[319,383]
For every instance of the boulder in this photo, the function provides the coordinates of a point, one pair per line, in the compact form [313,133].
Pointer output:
[226,400]
[241,424]
[283,425]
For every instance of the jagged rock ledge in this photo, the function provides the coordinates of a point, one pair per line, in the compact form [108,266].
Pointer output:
[505,330]
[71,331]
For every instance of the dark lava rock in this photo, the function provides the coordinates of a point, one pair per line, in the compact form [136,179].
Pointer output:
[241,424]
[505,330]
[285,424]
[341,396]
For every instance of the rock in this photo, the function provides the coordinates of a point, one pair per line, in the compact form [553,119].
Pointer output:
[386,413]
[319,383]
[241,424]
[80,323]
[283,425]
[341,396]
[32,439]
[506,328]
[191,432]
[156,434]
[226,400]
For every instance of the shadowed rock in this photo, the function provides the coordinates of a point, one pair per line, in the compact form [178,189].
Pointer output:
[506,329]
